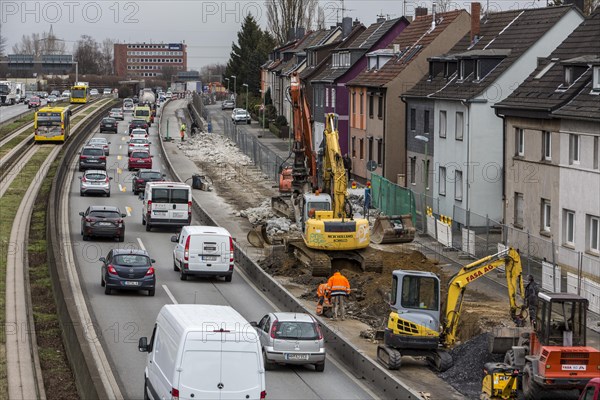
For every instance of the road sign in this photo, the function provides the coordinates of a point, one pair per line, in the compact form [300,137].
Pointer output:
[371,165]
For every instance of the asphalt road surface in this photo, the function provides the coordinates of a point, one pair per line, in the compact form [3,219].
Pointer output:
[123,317]
[7,112]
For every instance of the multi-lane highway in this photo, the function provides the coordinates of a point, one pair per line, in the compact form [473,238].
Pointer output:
[123,317]
[8,112]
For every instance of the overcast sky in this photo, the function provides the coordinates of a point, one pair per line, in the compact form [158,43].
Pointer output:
[207,27]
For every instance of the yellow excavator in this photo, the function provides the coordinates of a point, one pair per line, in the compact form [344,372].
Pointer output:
[415,325]
[329,229]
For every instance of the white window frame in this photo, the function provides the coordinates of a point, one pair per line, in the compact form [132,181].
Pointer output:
[333,97]
[569,227]
[568,76]
[596,79]
[519,142]
[546,145]
[593,233]
[519,211]
[326,97]
[459,125]
[443,124]
[442,181]
[546,215]
[574,149]
[458,185]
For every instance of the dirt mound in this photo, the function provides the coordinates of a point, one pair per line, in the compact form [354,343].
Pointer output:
[466,374]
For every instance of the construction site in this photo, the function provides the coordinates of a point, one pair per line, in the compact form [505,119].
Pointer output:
[449,362]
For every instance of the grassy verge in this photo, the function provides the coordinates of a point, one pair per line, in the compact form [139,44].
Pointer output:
[9,204]
[59,381]
[13,142]
[6,129]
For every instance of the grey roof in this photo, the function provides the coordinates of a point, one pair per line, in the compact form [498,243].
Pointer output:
[543,90]
[584,105]
[516,30]
[374,33]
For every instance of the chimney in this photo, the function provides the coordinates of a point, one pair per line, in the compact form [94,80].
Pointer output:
[300,32]
[381,18]
[291,34]
[396,48]
[420,11]
[475,21]
[346,26]
[356,22]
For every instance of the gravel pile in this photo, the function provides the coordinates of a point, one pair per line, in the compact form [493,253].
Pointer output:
[214,149]
[469,357]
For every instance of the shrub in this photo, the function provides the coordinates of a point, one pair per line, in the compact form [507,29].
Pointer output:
[281,120]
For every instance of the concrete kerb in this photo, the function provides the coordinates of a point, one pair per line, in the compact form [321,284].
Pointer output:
[361,365]
[93,376]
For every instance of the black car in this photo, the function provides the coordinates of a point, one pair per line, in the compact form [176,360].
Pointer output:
[92,157]
[109,125]
[138,124]
[128,270]
[105,221]
[145,175]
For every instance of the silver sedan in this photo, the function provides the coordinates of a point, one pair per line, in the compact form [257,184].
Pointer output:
[291,338]
[94,182]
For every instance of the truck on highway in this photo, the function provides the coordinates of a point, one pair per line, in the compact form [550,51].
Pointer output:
[11,92]
[147,96]
[194,86]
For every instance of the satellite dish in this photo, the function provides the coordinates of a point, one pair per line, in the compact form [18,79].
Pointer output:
[371,165]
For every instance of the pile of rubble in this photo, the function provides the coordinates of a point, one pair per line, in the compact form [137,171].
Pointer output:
[263,214]
[214,149]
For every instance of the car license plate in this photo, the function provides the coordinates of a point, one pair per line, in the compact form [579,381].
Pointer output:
[292,356]
[105,223]
[132,283]
[160,211]
[178,215]
[209,258]
[93,161]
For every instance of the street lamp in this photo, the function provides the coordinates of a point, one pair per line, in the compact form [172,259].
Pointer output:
[426,140]
[246,85]
[235,87]
[227,79]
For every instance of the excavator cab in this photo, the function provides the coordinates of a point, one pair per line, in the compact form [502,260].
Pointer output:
[561,319]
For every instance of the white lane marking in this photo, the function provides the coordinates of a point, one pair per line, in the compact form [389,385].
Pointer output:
[170,294]
[121,188]
[119,157]
[330,357]
[120,147]
[129,209]
[141,244]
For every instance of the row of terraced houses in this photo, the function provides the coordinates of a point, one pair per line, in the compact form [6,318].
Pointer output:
[498,113]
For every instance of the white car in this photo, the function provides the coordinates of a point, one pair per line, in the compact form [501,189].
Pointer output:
[107,91]
[138,133]
[128,106]
[66,94]
[240,115]
[116,113]
[100,142]
[94,92]
[138,143]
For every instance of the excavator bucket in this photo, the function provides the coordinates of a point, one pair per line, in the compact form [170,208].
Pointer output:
[257,237]
[282,206]
[393,229]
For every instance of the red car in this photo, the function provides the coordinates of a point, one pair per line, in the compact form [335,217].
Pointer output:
[139,159]
[34,102]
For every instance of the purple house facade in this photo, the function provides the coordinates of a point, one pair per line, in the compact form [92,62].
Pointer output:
[344,65]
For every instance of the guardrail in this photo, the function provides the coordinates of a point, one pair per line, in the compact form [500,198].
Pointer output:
[362,366]
[76,336]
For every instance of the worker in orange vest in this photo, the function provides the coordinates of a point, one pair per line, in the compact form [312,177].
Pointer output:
[340,289]
[323,297]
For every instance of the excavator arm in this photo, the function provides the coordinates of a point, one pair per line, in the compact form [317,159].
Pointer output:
[511,260]
[304,170]
[335,180]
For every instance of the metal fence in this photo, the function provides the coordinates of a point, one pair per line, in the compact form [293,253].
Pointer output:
[264,158]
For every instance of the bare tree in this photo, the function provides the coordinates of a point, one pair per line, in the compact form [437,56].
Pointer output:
[2,44]
[284,15]
[36,44]
[212,72]
[443,6]
[320,18]
[106,61]
[168,72]
[87,53]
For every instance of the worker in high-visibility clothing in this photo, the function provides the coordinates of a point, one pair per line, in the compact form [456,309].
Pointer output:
[182,132]
[322,297]
[340,289]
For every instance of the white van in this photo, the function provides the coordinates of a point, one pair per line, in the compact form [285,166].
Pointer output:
[201,352]
[203,251]
[166,204]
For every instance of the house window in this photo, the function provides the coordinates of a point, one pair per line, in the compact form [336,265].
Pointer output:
[596,151]
[518,210]
[326,97]
[593,233]
[443,123]
[370,149]
[379,152]
[574,149]
[569,227]
[413,119]
[371,105]
[333,98]
[362,106]
[458,185]
[413,170]
[442,183]
[519,142]
[546,146]
[354,102]
[353,146]
[361,148]
[459,128]
[545,222]
[568,76]
[380,106]
[596,79]
[426,121]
